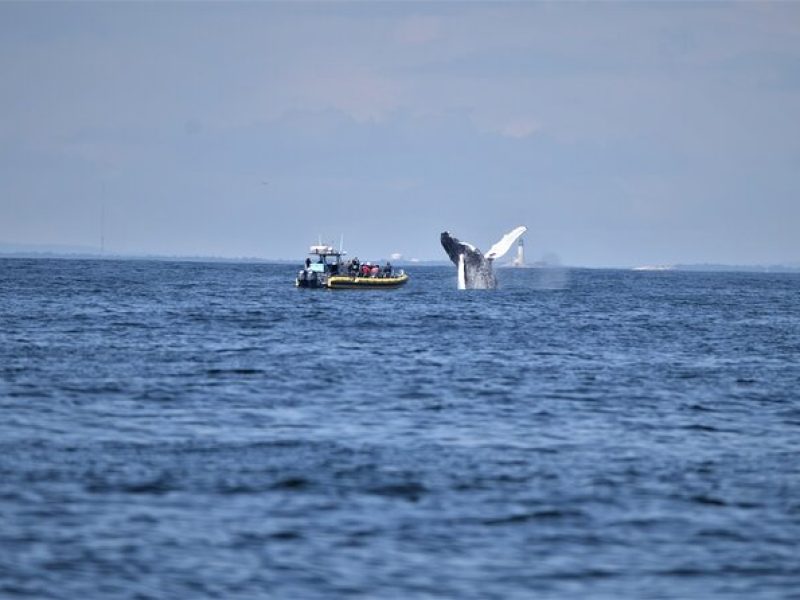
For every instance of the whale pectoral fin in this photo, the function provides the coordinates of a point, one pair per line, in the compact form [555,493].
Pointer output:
[502,246]
[462,273]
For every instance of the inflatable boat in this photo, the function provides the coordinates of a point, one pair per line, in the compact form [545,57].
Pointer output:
[348,282]
[325,268]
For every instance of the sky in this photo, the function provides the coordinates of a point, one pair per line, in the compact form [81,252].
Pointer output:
[620,134]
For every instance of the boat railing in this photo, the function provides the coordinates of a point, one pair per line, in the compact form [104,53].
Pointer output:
[381,275]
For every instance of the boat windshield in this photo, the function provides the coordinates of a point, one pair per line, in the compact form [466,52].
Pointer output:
[317,267]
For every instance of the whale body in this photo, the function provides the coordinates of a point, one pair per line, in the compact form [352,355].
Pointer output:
[474,269]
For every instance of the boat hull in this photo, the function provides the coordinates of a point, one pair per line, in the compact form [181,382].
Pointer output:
[305,283]
[309,279]
[345,282]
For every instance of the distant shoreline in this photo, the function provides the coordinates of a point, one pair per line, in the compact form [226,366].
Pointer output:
[699,267]
[181,258]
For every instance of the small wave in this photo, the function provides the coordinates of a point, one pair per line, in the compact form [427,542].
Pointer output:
[285,536]
[721,534]
[409,491]
[131,325]
[234,489]
[415,395]
[689,375]
[579,575]
[699,408]
[156,486]
[708,500]
[146,488]
[725,570]
[704,428]
[538,515]
[292,483]
[30,393]
[235,371]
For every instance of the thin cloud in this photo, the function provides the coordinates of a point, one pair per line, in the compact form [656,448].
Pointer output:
[521,128]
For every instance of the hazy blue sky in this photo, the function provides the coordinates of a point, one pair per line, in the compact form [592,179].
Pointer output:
[619,133]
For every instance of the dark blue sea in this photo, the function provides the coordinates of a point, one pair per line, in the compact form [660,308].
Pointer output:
[206,430]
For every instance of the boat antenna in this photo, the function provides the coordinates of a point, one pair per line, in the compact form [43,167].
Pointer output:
[341,244]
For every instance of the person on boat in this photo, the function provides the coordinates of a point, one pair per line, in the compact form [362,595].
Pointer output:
[387,269]
[375,270]
[365,269]
[354,267]
[308,263]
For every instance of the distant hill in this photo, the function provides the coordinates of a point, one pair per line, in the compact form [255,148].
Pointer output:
[790,268]
[715,267]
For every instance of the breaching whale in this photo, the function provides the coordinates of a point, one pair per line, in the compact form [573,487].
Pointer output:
[474,268]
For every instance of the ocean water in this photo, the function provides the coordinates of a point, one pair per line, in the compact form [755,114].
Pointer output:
[190,430]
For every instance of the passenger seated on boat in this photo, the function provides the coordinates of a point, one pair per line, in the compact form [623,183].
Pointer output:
[375,270]
[365,270]
[387,269]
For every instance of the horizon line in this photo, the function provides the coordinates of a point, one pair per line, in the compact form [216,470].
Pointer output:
[87,255]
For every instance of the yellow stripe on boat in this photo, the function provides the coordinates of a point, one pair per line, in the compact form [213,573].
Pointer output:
[345,282]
